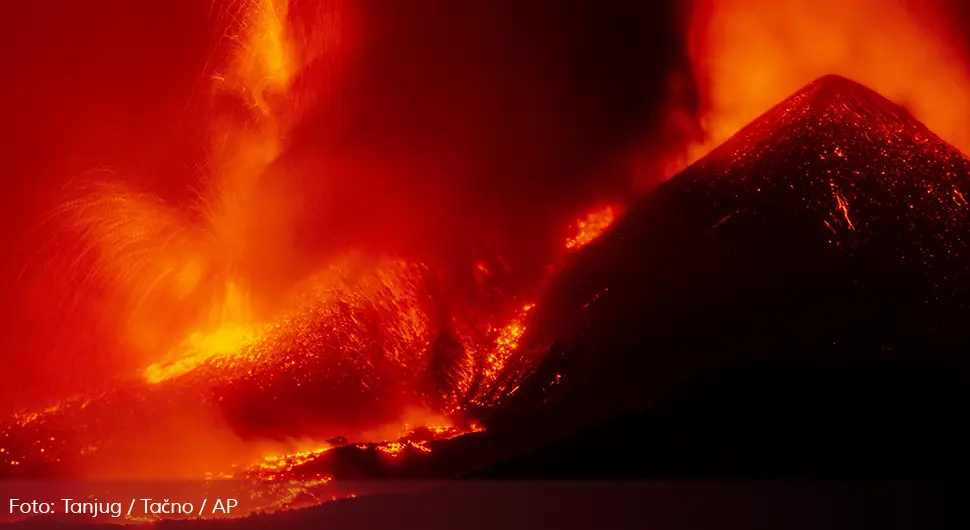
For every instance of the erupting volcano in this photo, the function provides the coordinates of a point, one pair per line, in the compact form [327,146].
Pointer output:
[805,222]
[830,228]
[244,336]
[266,348]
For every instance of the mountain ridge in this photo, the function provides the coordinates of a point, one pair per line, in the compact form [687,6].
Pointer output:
[833,98]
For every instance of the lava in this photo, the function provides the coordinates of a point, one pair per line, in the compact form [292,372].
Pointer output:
[370,341]
[200,348]
[506,345]
[184,274]
[590,228]
[351,350]
[357,338]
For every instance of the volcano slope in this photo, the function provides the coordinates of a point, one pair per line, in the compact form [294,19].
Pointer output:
[795,302]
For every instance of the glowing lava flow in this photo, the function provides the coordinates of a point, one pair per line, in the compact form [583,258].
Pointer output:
[591,227]
[200,348]
[348,319]
[397,284]
[304,335]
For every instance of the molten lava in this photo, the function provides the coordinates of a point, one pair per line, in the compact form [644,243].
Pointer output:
[590,228]
[200,348]
[367,343]
[353,353]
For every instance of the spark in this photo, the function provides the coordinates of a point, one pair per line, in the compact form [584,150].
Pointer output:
[168,269]
[958,198]
[843,206]
[506,344]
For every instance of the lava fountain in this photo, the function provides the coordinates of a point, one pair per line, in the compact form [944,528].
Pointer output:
[242,359]
[175,275]
[369,346]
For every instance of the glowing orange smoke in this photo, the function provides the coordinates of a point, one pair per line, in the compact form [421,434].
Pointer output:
[181,275]
[591,227]
[144,256]
[751,54]
[266,60]
[269,54]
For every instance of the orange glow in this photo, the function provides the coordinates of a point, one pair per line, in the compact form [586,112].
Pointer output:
[274,467]
[265,61]
[177,279]
[590,228]
[180,278]
[506,343]
[384,356]
[751,54]
[201,347]
[330,305]
[843,206]
[392,449]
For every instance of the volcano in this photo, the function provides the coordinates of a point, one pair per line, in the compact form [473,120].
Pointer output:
[794,302]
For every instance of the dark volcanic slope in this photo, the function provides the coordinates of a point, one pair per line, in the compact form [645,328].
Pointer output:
[833,227]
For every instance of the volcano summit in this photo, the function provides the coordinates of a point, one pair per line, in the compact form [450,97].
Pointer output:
[831,231]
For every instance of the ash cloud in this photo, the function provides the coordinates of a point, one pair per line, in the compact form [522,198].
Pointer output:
[478,125]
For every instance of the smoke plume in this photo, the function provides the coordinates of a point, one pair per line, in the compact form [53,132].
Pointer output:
[443,131]
[466,127]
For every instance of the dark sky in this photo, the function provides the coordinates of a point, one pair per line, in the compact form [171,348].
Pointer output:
[491,114]
[529,99]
